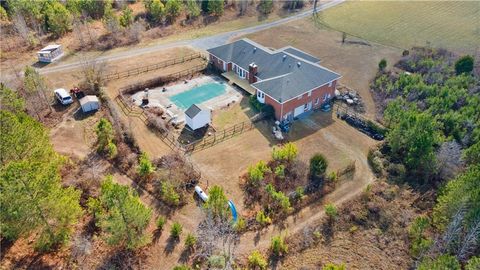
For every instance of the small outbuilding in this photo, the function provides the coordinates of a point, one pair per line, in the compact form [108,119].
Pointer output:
[89,103]
[50,53]
[197,116]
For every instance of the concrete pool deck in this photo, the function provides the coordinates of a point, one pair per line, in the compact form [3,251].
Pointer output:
[158,98]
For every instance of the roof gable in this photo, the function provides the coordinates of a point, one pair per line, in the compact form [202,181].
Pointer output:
[194,110]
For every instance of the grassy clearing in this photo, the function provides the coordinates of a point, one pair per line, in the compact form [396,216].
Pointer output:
[447,24]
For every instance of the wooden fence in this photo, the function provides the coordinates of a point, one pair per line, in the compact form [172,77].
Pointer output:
[221,135]
[144,69]
[162,79]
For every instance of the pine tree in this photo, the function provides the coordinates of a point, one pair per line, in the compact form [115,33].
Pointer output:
[217,202]
[58,19]
[193,9]
[32,198]
[105,133]
[121,215]
[215,7]
[173,9]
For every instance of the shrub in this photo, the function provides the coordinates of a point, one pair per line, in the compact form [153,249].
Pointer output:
[473,264]
[280,200]
[299,193]
[280,171]
[287,152]
[161,220]
[256,105]
[442,262]
[190,241]
[464,64]
[374,162]
[418,242]
[278,246]
[332,177]
[318,165]
[169,194]
[176,230]
[216,262]
[111,150]
[240,225]
[181,267]
[331,266]
[382,64]
[173,9]
[331,211]
[126,19]
[105,133]
[263,219]
[256,260]
[145,166]
[256,173]
[265,6]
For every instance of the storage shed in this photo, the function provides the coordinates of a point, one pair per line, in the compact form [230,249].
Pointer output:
[197,116]
[89,103]
[50,53]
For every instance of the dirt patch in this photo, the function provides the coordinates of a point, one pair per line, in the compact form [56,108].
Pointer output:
[356,62]
[371,232]
[74,135]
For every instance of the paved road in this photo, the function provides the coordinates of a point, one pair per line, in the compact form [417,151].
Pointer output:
[200,43]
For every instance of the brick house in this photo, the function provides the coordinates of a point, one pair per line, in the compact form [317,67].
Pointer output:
[289,79]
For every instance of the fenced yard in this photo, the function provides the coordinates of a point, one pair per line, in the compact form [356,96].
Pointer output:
[152,67]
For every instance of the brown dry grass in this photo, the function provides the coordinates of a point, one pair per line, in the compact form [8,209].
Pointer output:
[356,60]
[379,241]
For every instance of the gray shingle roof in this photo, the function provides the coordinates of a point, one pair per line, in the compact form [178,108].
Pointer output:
[193,111]
[301,54]
[283,75]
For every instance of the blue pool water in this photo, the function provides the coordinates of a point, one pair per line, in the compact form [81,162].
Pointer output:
[198,94]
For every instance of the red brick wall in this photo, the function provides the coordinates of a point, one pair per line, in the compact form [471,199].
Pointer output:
[290,106]
[216,62]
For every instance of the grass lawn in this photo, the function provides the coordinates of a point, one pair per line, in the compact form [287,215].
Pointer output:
[448,24]
[235,114]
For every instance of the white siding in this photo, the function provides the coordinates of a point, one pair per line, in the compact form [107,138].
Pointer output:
[200,120]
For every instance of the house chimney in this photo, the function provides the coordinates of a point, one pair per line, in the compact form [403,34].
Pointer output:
[252,71]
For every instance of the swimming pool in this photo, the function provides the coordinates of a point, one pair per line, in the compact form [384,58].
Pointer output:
[198,94]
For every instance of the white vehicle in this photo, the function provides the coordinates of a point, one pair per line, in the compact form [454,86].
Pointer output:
[63,97]
[201,194]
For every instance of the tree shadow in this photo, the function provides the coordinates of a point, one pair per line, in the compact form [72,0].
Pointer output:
[156,235]
[29,262]
[122,259]
[6,245]
[185,255]
[171,244]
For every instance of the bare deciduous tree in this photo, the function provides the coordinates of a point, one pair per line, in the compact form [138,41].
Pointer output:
[93,72]
[470,242]
[21,28]
[216,237]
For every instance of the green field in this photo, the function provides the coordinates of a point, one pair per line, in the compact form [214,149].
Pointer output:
[447,24]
